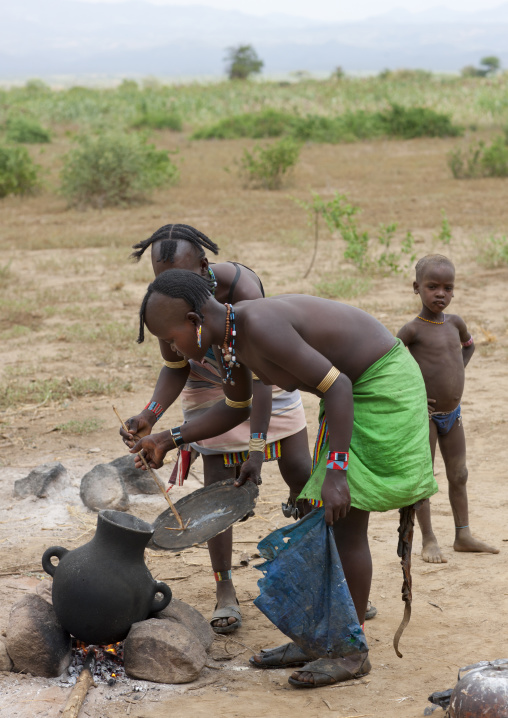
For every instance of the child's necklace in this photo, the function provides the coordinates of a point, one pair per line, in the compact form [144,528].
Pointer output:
[228,356]
[429,320]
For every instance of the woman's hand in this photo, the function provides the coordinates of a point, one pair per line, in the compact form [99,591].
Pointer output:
[335,495]
[251,469]
[154,448]
[138,426]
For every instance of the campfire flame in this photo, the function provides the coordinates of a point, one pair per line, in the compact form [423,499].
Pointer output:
[108,662]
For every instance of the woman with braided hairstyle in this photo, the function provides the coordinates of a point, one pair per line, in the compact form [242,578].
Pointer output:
[373,411]
[276,415]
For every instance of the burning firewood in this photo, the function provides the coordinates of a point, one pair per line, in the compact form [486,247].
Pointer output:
[78,693]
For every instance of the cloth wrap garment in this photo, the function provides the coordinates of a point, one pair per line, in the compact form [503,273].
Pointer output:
[390,465]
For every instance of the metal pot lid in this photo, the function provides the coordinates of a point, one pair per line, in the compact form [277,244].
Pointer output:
[209,511]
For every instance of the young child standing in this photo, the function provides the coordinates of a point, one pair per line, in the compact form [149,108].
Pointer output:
[442,346]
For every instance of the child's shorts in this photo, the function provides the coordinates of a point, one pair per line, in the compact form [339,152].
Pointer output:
[445,421]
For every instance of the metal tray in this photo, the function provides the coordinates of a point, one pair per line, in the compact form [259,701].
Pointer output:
[210,511]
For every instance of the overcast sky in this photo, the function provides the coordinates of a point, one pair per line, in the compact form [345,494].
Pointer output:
[328,9]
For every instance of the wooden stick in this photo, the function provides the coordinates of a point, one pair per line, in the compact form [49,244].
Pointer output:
[79,691]
[154,476]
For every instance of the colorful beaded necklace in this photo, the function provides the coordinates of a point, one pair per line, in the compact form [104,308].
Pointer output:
[429,320]
[228,355]
[212,280]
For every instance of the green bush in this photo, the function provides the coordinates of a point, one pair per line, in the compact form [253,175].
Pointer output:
[493,252]
[27,130]
[480,159]
[158,120]
[398,121]
[410,122]
[266,167]
[268,123]
[114,169]
[495,158]
[18,173]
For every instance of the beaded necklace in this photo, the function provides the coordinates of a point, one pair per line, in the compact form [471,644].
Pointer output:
[228,356]
[212,280]
[429,320]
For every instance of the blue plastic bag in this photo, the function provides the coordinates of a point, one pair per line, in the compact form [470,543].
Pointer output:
[304,592]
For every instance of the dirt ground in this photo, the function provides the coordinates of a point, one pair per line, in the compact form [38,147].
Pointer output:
[69,302]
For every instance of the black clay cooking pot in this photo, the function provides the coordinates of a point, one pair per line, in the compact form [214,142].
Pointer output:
[102,588]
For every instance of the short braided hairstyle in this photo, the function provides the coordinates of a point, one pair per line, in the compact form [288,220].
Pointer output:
[431,260]
[169,235]
[177,284]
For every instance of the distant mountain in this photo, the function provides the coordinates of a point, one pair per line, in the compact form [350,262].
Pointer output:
[40,38]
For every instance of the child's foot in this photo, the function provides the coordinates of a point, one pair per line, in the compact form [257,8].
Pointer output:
[431,551]
[466,542]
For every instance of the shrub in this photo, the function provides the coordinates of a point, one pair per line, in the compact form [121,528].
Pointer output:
[25,129]
[268,123]
[480,159]
[266,167]
[410,122]
[114,169]
[398,121]
[495,158]
[493,252]
[158,120]
[18,173]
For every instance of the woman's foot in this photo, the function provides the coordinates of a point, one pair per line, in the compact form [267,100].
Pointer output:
[227,607]
[328,671]
[464,541]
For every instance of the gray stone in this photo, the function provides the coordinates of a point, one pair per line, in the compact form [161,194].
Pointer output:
[192,619]
[163,652]
[103,488]
[5,660]
[39,480]
[44,589]
[36,642]
[136,481]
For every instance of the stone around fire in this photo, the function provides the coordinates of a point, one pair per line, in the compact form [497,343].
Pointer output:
[5,660]
[163,652]
[186,615]
[36,642]
[136,481]
[39,480]
[103,488]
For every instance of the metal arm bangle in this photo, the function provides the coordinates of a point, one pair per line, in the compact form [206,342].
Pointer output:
[175,364]
[328,380]
[238,404]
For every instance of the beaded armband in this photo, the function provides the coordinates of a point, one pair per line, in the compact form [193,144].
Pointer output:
[155,408]
[469,342]
[328,380]
[175,364]
[238,404]
[257,442]
[176,435]
[337,460]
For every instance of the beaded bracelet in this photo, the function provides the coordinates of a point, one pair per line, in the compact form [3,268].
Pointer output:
[155,408]
[337,460]
[469,342]
[257,442]
[176,435]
